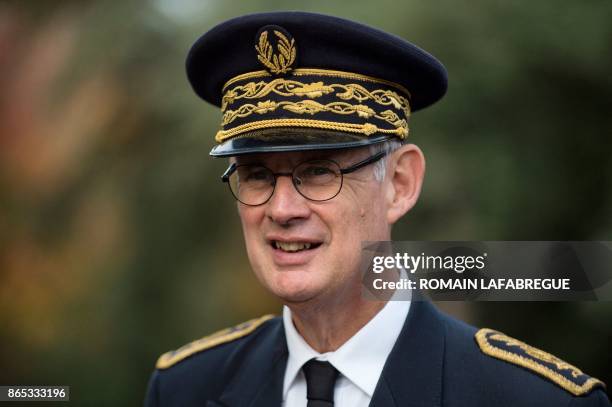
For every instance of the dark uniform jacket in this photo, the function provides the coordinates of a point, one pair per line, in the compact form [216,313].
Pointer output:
[436,361]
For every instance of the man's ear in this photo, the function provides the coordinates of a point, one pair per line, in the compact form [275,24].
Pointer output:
[405,173]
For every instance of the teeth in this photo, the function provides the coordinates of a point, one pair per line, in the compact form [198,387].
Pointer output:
[291,246]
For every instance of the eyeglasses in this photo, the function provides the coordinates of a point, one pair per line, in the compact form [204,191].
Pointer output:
[316,180]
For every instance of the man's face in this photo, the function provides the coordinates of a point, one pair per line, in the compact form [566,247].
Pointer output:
[334,229]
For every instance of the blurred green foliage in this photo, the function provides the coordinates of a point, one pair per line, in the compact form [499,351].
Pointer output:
[117,242]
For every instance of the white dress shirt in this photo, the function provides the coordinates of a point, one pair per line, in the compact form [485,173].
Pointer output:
[360,360]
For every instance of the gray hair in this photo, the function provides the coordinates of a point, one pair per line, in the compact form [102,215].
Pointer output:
[380,167]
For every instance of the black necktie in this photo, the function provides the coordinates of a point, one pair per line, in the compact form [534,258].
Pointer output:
[320,380]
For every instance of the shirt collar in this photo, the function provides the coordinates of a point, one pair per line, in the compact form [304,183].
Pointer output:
[360,359]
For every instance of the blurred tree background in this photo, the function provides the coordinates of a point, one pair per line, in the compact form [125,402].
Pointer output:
[117,242]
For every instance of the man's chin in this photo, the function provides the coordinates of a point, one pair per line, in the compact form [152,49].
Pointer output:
[294,292]
[289,297]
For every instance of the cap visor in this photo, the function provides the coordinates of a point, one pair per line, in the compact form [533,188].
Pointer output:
[290,139]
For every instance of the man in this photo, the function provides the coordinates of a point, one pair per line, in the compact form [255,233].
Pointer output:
[315,117]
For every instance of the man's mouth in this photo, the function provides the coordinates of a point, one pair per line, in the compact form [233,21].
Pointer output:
[292,247]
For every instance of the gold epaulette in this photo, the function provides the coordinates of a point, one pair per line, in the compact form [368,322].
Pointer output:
[511,350]
[226,335]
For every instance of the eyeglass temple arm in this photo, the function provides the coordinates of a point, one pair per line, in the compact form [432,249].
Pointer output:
[230,170]
[363,163]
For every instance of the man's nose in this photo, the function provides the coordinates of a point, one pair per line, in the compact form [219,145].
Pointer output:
[287,203]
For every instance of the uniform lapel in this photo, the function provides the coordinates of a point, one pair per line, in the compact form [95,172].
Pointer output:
[258,381]
[412,376]
[270,394]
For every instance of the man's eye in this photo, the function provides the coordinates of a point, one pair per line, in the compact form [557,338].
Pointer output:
[257,175]
[317,171]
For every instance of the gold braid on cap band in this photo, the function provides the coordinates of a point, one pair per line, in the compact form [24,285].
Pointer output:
[317,72]
[286,87]
[365,129]
[283,88]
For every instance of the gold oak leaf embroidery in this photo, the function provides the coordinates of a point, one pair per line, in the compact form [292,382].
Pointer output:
[364,111]
[312,90]
[265,107]
[391,117]
[305,106]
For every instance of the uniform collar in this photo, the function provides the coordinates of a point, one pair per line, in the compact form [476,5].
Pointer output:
[412,376]
[361,359]
[257,375]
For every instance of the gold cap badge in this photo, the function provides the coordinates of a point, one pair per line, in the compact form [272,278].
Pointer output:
[278,58]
